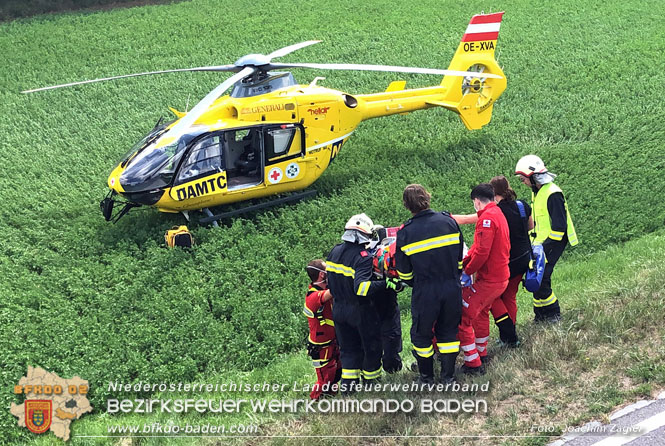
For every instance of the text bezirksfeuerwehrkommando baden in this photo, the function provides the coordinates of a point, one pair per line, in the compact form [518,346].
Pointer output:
[370,405]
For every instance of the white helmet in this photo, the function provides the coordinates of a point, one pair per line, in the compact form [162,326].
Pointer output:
[358,229]
[530,164]
[360,222]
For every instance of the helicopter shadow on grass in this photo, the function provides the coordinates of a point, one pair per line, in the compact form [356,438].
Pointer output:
[462,150]
[337,178]
[433,154]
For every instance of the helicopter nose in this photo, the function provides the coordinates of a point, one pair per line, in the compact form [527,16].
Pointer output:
[147,198]
[136,191]
[114,183]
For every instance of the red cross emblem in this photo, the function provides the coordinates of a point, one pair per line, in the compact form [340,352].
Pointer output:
[275,175]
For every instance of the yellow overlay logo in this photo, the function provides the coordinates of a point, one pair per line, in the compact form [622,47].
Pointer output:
[51,403]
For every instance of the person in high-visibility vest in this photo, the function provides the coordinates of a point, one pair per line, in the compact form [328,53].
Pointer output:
[553,229]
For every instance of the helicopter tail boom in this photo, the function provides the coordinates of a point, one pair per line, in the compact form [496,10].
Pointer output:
[473,98]
[472,84]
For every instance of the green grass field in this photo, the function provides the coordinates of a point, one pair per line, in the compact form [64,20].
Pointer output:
[109,302]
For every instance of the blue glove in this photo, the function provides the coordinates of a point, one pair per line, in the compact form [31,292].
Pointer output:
[466,280]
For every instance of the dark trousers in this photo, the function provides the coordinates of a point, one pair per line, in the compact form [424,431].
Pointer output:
[358,331]
[545,302]
[391,328]
[435,307]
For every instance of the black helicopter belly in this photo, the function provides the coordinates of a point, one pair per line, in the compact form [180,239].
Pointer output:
[132,200]
[148,198]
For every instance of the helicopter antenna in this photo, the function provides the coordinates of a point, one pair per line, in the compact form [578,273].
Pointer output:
[316,79]
[159,121]
[187,105]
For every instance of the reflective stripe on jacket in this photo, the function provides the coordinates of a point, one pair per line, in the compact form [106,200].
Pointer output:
[543,228]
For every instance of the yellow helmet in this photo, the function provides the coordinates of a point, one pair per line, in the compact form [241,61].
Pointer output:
[530,164]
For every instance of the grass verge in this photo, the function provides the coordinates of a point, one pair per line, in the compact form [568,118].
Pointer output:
[607,351]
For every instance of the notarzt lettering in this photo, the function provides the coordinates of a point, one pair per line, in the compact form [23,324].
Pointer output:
[334,150]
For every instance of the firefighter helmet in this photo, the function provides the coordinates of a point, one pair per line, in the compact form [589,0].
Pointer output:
[530,164]
[360,222]
[358,229]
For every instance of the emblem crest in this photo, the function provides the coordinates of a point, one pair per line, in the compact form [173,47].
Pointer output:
[38,415]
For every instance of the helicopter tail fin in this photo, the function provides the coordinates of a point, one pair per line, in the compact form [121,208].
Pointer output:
[471,97]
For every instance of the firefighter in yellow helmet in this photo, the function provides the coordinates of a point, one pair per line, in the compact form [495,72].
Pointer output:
[553,229]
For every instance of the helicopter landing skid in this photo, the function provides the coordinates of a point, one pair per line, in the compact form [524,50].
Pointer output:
[106,206]
[257,207]
[209,213]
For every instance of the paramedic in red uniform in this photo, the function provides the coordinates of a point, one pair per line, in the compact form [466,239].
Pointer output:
[504,309]
[322,344]
[488,260]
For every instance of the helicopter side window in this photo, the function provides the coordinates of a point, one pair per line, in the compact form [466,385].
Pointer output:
[205,158]
[278,143]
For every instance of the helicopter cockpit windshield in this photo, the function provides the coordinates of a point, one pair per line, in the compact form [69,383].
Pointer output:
[153,168]
[156,132]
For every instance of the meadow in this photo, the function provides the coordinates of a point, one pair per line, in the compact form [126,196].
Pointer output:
[109,302]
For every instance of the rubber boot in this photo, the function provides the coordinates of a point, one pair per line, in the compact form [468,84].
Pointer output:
[425,370]
[473,370]
[507,332]
[447,367]
[393,365]
[349,386]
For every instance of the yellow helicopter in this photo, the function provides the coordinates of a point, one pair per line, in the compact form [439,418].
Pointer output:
[270,135]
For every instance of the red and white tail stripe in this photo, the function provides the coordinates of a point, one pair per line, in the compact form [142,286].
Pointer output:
[483,27]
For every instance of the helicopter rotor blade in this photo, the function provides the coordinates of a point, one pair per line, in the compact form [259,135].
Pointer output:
[186,121]
[384,68]
[179,70]
[291,48]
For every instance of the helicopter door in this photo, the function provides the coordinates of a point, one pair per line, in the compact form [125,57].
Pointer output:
[283,144]
[202,162]
[244,150]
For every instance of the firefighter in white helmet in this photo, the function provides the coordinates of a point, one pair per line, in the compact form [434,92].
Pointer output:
[553,229]
[357,322]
